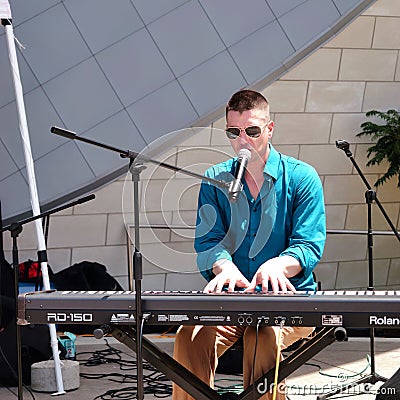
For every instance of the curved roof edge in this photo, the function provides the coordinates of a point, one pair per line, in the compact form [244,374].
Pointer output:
[206,120]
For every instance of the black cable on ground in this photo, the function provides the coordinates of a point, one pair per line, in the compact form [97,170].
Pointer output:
[155,382]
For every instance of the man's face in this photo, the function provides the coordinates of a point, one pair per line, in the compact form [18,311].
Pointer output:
[257,146]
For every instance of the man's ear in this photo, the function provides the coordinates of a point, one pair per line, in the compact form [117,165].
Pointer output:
[270,128]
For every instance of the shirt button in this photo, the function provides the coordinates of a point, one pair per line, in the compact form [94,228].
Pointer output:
[254,209]
[253,259]
[254,234]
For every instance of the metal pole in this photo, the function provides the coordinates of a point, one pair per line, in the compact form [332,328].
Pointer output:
[23,126]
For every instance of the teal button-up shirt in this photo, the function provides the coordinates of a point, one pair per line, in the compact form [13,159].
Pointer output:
[287,218]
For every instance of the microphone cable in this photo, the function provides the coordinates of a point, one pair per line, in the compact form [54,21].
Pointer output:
[277,361]
[254,355]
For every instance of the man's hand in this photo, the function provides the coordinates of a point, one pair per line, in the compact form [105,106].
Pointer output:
[226,273]
[276,271]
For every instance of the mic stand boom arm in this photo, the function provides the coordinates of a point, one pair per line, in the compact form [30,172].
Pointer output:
[135,167]
[133,156]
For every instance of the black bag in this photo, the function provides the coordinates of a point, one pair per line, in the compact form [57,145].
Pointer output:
[35,347]
[85,275]
[7,293]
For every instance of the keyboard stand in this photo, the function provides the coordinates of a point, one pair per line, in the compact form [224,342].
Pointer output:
[164,363]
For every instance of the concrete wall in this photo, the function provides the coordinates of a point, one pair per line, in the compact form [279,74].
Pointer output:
[324,98]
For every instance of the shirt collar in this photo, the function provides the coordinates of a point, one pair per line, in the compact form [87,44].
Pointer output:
[272,165]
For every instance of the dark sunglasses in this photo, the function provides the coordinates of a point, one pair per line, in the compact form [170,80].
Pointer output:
[251,131]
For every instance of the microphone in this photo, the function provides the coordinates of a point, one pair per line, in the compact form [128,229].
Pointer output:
[343,145]
[236,185]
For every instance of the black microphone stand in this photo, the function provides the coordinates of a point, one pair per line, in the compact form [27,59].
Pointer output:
[370,197]
[136,166]
[16,228]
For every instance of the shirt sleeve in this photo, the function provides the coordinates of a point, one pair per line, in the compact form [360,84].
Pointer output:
[211,240]
[307,239]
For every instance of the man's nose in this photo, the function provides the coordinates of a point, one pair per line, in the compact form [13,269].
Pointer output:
[243,137]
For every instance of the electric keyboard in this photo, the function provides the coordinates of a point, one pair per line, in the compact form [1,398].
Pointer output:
[352,309]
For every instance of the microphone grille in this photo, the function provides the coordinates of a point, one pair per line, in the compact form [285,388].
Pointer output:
[244,153]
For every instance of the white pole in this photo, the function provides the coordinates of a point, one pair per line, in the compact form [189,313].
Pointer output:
[23,127]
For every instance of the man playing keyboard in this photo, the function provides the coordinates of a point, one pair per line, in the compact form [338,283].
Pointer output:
[268,236]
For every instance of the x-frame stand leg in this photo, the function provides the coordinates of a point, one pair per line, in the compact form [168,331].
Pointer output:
[164,363]
[304,353]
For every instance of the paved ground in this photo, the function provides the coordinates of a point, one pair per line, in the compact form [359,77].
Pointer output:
[339,363]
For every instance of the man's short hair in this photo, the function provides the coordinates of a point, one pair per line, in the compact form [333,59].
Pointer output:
[245,100]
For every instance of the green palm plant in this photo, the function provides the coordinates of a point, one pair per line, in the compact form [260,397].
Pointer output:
[387,142]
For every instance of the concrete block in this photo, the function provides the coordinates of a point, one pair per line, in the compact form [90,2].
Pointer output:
[388,8]
[108,199]
[186,218]
[344,248]
[189,281]
[154,282]
[176,257]
[397,75]
[345,189]
[388,192]
[325,159]
[198,159]
[286,96]
[155,171]
[326,274]
[59,258]
[218,137]
[77,230]
[386,247]
[321,65]
[305,128]
[368,65]
[289,150]
[360,154]
[116,229]
[335,96]
[43,376]
[345,126]
[170,195]
[394,272]
[354,274]
[357,216]
[196,136]
[356,35]
[335,216]
[387,33]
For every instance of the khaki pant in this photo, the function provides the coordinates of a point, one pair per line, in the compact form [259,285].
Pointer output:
[198,347]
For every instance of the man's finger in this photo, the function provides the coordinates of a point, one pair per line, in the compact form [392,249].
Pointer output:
[274,285]
[252,286]
[231,287]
